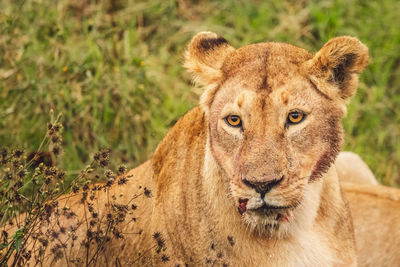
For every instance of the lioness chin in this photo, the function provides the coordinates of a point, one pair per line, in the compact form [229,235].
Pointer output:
[247,177]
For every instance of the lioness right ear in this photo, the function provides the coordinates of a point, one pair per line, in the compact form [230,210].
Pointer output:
[205,57]
[334,69]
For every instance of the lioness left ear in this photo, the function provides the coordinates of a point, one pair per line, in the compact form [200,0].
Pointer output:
[334,69]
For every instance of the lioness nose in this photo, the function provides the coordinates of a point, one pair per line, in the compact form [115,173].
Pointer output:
[263,187]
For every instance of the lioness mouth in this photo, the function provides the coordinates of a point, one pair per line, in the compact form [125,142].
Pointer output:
[267,207]
[283,213]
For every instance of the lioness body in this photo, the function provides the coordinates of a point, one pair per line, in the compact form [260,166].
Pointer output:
[247,178]
[375,210]
[376,216]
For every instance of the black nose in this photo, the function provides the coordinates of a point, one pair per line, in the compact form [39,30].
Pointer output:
[263,187]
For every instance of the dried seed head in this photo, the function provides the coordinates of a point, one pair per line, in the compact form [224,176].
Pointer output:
[122,169]
[21,174]
[57,127]
[103,157]
[104,163]
[55,138]
[160,243]
[156,235]
[18,153]
[122,180]
[147,192]
[164,258]
[3,152]
[61,174]
[109,174]
[110,182]
[56,150]
[231,241]
[75,189]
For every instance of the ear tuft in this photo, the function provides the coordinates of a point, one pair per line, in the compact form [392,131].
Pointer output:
[205,56]
[335,68]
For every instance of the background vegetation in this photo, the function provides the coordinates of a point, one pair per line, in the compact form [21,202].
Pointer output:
[113,69]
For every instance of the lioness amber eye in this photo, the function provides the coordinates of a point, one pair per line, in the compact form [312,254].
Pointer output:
[295,117]
[233,120]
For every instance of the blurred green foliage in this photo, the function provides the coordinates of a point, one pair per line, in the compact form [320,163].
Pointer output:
[114,69]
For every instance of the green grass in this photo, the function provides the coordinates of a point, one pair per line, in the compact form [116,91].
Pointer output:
[113,69]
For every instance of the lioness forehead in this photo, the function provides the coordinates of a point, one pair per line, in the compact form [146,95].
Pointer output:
[265,66]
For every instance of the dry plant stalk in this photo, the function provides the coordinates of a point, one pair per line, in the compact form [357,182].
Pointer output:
[36,222]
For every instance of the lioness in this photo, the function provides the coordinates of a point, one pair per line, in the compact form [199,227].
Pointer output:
[247,177]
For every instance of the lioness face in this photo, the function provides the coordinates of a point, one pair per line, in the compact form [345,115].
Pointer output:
[285,138]
[274,113]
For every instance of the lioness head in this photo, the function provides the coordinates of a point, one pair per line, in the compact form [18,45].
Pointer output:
[274,116]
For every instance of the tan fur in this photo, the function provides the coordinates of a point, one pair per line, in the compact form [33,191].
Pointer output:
[199,171]
[375,211]
[338,54]
[351,168]
[376,216]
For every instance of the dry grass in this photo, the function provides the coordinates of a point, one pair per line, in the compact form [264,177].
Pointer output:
[113,68]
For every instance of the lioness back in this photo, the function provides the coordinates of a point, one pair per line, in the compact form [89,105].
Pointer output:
[376,217]
[351,168]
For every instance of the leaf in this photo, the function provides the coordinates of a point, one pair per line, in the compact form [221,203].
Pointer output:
[18,237]
[5,241]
